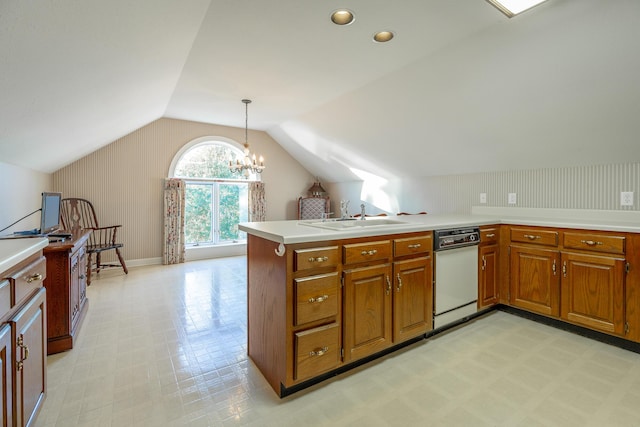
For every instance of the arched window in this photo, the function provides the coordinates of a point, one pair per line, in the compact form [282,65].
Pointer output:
[216,199]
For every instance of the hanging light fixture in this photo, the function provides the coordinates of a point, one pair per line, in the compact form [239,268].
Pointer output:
[249,164]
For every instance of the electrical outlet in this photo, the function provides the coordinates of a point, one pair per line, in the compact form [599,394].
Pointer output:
[512,198]
[483,197]
[626,198]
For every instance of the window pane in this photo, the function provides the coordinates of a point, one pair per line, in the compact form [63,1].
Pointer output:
[233,210]
[198,213]
[207,161]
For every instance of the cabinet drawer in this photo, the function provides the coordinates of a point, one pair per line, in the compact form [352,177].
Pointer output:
[316,298]
[306,259]
[594,242]
[412,246]
[488,235]
[317,350]
[29,279]
[534,236]
[363,252]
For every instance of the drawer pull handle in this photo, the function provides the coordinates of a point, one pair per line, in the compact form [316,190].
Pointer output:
[484,263]
[591,242]
[20,344]
[35,278]
[318,351]
[415,246]
[399,283]
[532,237]
[371,252]
[319,259]
[564,269]
[318,299]
[388,286]
[491,235]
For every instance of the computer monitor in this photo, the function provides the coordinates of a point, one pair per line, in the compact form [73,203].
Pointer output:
[50,215]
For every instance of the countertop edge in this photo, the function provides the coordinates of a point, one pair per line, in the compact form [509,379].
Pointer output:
[14,251]
[290,232]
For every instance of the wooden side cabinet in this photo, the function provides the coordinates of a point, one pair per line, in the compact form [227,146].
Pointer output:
[23,340]
[28,333]
[66,285]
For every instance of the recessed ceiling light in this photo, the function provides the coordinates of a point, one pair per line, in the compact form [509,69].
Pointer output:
[342,17]
[383,36]
[513,7]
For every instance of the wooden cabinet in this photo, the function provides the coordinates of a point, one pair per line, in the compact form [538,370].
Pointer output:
[66,285]
[367,310]
[593,280]
[577,276]
[386,303]
[412,298]
[319,306]
[534,279]
[23,339]
[28,331]
[317,311]
[593,291]
[488,270]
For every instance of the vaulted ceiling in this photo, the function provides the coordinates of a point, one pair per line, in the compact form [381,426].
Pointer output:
[461,88]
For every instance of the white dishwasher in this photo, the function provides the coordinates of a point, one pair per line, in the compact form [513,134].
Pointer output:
[456,275]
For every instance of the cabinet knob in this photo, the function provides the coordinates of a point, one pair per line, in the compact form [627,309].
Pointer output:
[35,278]
[318,351]
[20,344]
[371,252]
[318,299]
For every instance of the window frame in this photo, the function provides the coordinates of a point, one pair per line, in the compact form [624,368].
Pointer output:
[215,182]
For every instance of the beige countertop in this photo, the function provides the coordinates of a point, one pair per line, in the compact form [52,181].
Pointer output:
[288,232]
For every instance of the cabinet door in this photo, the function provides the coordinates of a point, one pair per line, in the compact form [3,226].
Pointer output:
[74,290]
[29,326]
[82,277]
[6,370]
[412,298]
[488,292]
[367,310]
[593,291]
[535,280]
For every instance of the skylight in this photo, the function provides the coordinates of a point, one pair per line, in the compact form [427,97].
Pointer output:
[513,7]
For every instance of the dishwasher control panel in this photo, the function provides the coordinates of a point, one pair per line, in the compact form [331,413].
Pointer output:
[455,237]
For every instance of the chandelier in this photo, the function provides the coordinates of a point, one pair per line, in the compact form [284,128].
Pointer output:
[249,164]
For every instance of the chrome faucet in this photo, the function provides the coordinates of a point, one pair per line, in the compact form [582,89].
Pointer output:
[362,213]
[344,209]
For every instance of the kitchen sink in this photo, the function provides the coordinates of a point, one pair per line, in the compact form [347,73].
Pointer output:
[351,224]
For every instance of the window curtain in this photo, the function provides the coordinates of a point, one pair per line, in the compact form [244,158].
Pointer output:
[174,201]
[257,202]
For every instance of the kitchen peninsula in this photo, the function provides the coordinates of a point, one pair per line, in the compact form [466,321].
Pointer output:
[324,297]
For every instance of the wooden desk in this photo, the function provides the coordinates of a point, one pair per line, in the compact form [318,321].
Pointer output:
[66,284]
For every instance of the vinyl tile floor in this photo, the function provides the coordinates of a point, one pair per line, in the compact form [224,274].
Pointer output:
[166,346]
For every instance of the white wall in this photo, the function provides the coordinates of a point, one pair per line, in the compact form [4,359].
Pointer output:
[20,192]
